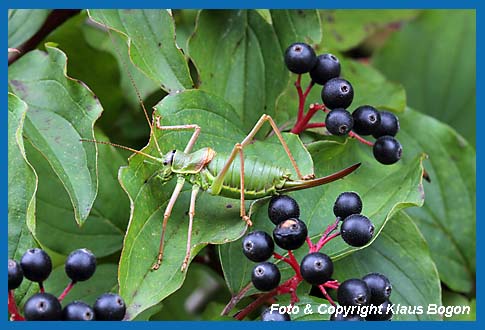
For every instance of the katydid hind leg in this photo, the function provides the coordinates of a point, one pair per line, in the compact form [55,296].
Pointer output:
[193,197]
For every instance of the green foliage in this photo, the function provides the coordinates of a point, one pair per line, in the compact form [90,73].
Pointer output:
[222,70]
[437,65]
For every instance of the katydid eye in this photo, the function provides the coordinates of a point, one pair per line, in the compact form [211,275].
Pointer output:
[169,159]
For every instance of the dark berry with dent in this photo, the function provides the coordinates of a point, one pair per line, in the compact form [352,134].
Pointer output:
[300,58]
[357,230]
[316,268]
[265,276]
[337,93]
[36,265]
[15,274]
[327,67]
[350,317]
[290,234]
[268,315]
[379,286]
[387,150]
[77,311]
[42,307]
[389,125]
[353,292]
[384,312]
[80,265]
[347,203]
[282,207]
[109,307]
[366,120]
[339,122]
[258,246]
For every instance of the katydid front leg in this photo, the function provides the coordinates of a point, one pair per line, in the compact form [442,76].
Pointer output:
[238,149]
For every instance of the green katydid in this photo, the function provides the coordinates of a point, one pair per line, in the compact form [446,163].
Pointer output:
[219,174]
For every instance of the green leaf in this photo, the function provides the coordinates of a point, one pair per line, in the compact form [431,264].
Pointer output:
[297,26]
[452,299]
[61,111]
[105,227]
[383,189]
[448,217]
[22,187]
[252,74]
[22,183]
[23,24]
[439,78]
[346,29]
[217,219]
[370,87]
[401,254]
[151,36]
[103,281]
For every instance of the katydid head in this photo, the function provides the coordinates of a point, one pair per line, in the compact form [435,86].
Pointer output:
[166,172]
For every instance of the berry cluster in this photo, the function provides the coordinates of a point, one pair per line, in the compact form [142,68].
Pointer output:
[36,266]
[315,268]
[337,95]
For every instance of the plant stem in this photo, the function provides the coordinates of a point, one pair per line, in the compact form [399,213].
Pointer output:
[324,292]
[234,300]
[13,308]
[360,139]
[314,125]
[66,291]
[321,242]
[41,287]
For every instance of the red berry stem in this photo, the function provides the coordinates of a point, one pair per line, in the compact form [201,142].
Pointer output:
[322,241]
[66,291]
[41,287]
[314,125]
[301,98]
[309,243]
[360,139]
[326,295]
[13,308]
[292,263]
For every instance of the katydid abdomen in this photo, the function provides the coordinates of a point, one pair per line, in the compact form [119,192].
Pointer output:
[261,178]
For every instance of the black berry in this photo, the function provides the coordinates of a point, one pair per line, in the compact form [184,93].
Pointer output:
[109,307]
[366,120]
[353,292]
[387,150]
[290,234]
[349,317]
[266,276]
[77,311]
[380,287]
[80,265]
[300,58]
[258,246]
[339,122]
[42,307]
[15,274]
[389,125]
[282,207]
[316,268]
[347,203]
[357,230]
[327,67]
[337,93]
[383,313]
[36,265]
[268,315]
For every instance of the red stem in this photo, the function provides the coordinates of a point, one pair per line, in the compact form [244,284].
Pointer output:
[324,292]
[309,243]
[360,139]
[290,261]
[13,309]
[41,287]
[322,243]
[314,125]
[66,291]
[325,234]
[301,98]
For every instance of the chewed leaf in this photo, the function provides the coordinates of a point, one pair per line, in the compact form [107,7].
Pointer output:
[61,112]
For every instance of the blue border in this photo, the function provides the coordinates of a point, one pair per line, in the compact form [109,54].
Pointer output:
[368,4]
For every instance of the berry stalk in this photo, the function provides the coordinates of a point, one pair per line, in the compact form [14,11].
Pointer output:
[13,308]
[66,291]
